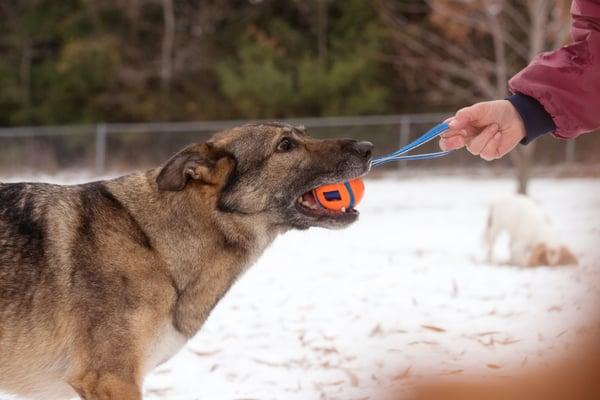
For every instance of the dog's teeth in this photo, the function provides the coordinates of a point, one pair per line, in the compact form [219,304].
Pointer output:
[308,204]
[312,205]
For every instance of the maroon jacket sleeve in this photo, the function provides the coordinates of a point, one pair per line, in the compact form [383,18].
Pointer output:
[566,82]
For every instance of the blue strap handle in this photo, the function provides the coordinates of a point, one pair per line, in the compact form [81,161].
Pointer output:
[428,136]
[351,193]
[384,160]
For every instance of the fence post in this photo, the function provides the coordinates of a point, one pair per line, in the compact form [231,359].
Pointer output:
[100,149]
[570,151]
[404,135]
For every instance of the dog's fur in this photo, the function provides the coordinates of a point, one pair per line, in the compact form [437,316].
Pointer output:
[533,240]
[101,282]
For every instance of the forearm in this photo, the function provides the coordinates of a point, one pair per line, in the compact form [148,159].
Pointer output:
[566,82]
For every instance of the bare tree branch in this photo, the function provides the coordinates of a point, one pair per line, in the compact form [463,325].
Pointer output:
[438,43]
[166,64]
[559,26]
[492,11]
[482,27]
[538,11]
[448,85]
[464,71]
[518,19]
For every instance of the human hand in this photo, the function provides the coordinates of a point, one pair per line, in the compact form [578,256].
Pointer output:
[489,129]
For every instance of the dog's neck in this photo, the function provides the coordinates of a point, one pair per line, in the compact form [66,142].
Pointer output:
[203,250]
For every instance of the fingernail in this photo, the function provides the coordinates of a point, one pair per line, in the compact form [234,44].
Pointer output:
[452,123]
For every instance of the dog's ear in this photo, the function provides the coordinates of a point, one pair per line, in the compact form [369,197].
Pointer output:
[538,256]
[567,257]
[203,163]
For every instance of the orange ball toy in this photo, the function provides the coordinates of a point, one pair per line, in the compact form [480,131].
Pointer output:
[338,196]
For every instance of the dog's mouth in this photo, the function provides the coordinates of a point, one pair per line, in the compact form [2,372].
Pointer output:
[308,205]
[313,213]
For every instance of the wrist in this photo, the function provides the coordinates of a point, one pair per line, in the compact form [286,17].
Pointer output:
[516,118]
[535,119]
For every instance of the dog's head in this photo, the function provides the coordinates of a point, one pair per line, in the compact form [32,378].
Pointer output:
[543,254]
[270,169]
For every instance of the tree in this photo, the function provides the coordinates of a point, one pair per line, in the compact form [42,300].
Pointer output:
[469,50]
[323,60]
[139,60]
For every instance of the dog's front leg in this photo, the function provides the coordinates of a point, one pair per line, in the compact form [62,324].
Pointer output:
[106,386]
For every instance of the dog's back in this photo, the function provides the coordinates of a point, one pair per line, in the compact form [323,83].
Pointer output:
[509,211]
[525,223]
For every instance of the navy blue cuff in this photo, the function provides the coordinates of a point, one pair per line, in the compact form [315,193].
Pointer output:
[536,119]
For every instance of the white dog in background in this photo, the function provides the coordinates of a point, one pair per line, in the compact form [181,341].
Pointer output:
[533,240]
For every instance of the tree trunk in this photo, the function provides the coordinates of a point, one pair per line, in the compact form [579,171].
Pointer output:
[166,64]
[523,177]
[25,75]
[521,158]
[500,62]
[538,11]
[322,30]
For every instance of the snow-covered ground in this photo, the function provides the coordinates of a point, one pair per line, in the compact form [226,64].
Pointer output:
[333,314]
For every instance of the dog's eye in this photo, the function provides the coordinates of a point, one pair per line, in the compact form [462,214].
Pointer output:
[285,144]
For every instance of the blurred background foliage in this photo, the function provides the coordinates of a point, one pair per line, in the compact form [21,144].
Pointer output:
[74,61]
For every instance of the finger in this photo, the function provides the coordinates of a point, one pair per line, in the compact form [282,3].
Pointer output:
[449,132]
[472,115]
[491,151]
[452,143]
[454,132]
[478,143]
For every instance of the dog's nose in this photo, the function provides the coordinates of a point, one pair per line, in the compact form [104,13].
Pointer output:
[363,148]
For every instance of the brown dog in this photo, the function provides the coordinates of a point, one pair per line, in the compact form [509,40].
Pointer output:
[101,282]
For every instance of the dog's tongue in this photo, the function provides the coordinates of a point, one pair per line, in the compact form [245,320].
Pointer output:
[309,199]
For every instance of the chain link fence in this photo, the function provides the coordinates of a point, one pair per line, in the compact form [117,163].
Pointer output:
[105,148]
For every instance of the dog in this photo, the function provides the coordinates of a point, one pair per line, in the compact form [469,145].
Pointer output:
[102,282]
[533,240]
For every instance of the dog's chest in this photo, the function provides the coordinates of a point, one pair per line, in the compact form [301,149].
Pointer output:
[165,344]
